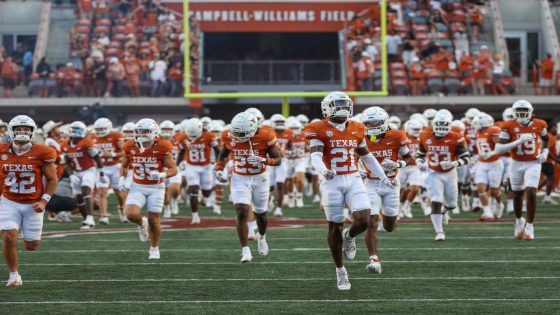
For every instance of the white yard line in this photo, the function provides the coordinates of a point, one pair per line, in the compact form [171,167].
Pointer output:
[381,237]
[291,279]
[298,249]
[264,301]
[225,263]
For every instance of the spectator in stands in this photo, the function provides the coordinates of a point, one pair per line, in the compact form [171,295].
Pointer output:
[115,76]
[132,69]
[417,76]
[547,71]
[498,68]
[158,69]
[59,76]
[87,79]
[479,75]
[364,72]
[17,57]
[9,72]
[27,64]
[176,79]
[461,42]
[370,49]
[99,74]
[73,79]
[436,19]
[44,71]
[442,58]
[476,19]
[394,42]
[409,53]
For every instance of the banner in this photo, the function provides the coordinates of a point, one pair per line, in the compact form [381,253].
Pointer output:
[263,16]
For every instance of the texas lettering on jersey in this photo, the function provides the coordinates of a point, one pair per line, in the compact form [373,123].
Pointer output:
[339,146]
[258,145]
[22,176]
[143,162]
[78,154]
[199,150]
[440,149]
[109,145]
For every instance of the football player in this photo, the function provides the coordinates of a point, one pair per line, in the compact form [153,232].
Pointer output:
[488,172]
[196,146]
[83,162]
[442,151]
[109,143]
[253,149]
[172,184]
[278,173]
[336,142]
[296,164]
[507,115]
[527,140]
[409,176]
[151,161]
[28,181]
[386,146]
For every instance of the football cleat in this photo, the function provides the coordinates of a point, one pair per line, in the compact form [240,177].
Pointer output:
[246,256]
[262,245]
[465,203]
[143,230]
[290,201]
[216,209]
[349,244]
[486,218]
[440,236]
[104,220]
[154,253]
[251,236]
[446,218]
[374,265]
[174,206]
[547,200]
[316,199]
[529,233]
[167,212]
[519,228]
[278,212]
[64,216]
[299,201]
[342,281]
[122,216]
[195,218]
[407,212]
[88,223]
[14,281]
[499,211]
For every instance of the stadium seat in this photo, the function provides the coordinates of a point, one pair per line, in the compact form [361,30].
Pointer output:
[452,86]
[104,22]
[435,86]
[400,87]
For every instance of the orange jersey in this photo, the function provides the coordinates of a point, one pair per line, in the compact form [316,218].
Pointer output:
[109,145]
[413,145]
[284,138]
[440,149]
[528,151]
[78,155]
[299,147]
[339,146]
[199,150]
[485,143]
[147,161]
[388,148]
[22,176]
[551,147]
[258,145]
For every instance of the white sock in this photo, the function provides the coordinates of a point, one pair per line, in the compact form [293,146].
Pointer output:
[529,225]
[157,247]
[509,205]
[195,215]
[246,248]
[263,236]
[437,221]
[341,269]
[518,221]
[487,211]
[407,205]
[14,274]
[252,225]
[372,257]
[346,212]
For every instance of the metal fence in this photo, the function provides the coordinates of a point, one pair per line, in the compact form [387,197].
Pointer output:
[241,72]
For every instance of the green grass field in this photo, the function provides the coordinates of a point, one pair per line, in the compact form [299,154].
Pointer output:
[479,269]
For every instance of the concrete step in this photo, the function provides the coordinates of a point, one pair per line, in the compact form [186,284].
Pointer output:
[62,20]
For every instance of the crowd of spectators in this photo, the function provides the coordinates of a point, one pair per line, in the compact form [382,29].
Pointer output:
[429,45]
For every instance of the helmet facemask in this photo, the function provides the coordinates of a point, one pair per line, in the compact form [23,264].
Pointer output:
[22,133]
[522,115]
[376,127]
[441,128]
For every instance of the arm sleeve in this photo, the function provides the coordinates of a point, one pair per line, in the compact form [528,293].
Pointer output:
[504,147]
[374,166]
[317,162]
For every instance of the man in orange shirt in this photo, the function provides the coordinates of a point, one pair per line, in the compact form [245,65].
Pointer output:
[547,70]
[9,76]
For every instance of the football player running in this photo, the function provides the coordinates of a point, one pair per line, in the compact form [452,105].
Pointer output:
[296,160]
[28,181]
[336,142]
[410,176]
[386,146]
[151,161]
[109,143]
[253,149]
[278,173]
[441,151]
[196,147]
[84,163]
[172,184]
[524,137]
[488,172]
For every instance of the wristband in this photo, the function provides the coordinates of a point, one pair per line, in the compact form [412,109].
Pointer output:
[46,197]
